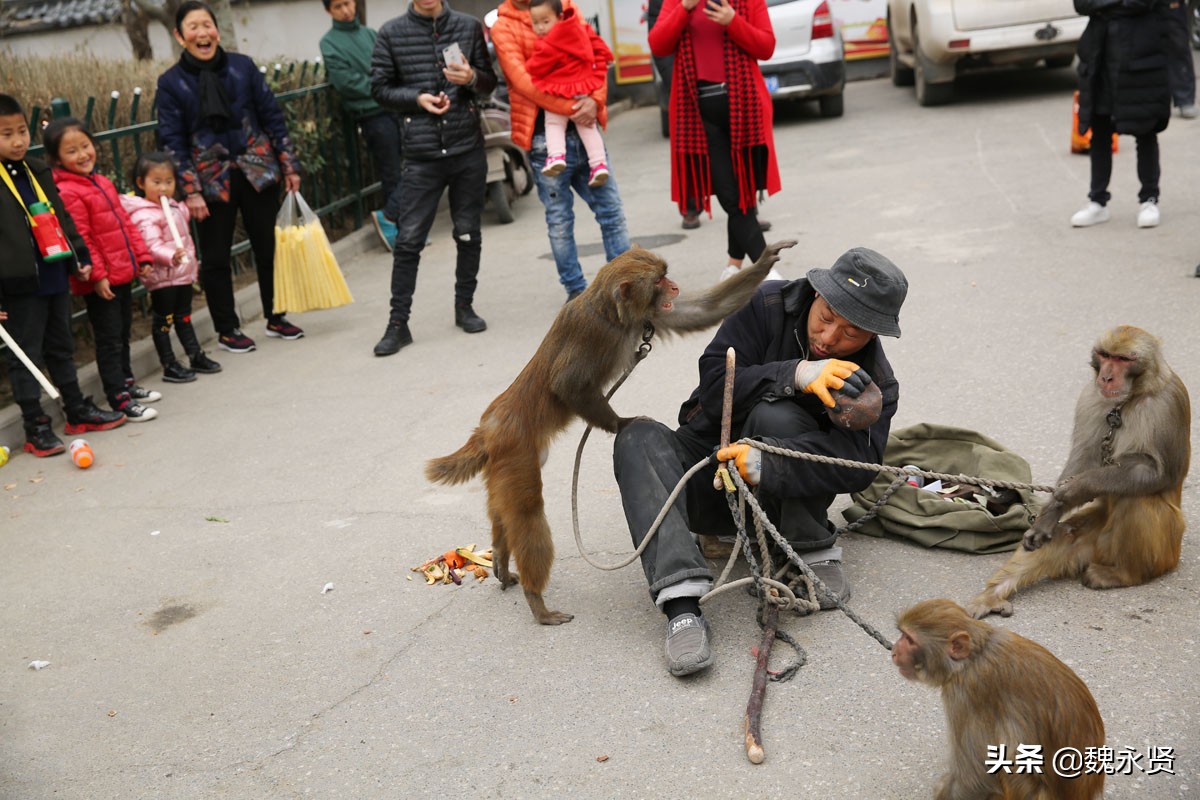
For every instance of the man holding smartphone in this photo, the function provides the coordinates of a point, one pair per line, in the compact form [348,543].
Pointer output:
[443,148]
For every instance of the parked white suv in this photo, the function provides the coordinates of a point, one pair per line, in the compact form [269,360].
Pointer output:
[931,41]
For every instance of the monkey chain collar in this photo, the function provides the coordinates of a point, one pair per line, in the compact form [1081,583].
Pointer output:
[1113,418]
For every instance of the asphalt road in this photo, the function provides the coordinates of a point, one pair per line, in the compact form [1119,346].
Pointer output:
[176,586]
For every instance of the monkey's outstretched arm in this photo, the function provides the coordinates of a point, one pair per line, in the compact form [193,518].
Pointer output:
[719,301]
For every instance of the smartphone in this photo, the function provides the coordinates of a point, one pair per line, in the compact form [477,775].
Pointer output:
[453,55]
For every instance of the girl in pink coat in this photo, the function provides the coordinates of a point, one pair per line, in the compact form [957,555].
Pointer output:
[118,256]
[570,60]
[175,265]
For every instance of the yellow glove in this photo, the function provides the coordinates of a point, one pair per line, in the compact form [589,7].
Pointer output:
[818,377]
[747,459]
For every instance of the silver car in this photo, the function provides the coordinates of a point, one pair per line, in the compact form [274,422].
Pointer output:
[809,60]
[808,63]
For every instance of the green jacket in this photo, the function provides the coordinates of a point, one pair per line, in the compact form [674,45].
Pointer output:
[346,49]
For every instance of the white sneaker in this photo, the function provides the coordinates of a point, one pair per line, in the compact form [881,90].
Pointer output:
[730,270]
[1148,215]
[1091,214]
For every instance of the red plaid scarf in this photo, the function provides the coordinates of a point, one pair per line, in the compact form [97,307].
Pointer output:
[691,176]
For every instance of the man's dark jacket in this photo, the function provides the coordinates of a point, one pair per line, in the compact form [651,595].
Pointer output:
[766,335]
[407,61]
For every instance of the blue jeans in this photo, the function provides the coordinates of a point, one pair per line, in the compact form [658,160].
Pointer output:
[555,194]
[381,132]
[465,176]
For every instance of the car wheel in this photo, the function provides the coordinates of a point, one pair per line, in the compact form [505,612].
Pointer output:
[1194,10]
[832,105]
[498,194]
[928,94]
[1061,62]
[665,122]
[901,75]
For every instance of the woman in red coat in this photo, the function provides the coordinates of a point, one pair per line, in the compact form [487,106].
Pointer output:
[720,111]
[570,60]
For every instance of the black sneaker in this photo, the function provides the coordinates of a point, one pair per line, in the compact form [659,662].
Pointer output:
[140,394]
[395,337]
[204,365]
[133,410]
[236,342]
[280,328]
[87,417]
[837,588]
[40,439]
[572,295]
[178,373]
[466,318]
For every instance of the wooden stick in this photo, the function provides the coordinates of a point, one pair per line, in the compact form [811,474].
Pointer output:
[166,207]
[727,419]
[758,690]
[37,373]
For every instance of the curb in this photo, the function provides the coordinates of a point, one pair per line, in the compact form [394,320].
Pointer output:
[143,357]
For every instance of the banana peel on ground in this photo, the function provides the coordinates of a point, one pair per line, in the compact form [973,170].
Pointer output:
[454,565]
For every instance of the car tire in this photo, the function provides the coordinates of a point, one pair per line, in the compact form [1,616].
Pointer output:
[1194,12]
[901,75]
[1061,62]
[832,105]
[928,94]
[498,194]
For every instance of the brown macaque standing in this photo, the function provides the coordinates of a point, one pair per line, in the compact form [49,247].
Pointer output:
[590,343]
[999,689]
[1114,518]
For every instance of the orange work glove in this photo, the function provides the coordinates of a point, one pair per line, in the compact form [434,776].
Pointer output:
[818,377]
[747,459]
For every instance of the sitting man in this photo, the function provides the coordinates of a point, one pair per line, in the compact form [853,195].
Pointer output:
[790,340]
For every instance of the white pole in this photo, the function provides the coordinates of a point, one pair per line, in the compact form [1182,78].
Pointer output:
[166,206]
[37,373]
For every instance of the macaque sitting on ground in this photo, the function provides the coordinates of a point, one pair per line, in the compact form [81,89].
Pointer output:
[591,341]
[1114,519]
[1002,694]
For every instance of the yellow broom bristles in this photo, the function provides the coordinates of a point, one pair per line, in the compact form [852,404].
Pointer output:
[307,276]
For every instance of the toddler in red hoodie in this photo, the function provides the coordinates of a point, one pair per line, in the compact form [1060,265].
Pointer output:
[118,252]
[570,60]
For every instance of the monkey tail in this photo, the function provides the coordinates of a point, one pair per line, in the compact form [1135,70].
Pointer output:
[461,465]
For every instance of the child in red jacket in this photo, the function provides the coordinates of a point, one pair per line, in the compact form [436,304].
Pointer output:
[570,60]
[118,254]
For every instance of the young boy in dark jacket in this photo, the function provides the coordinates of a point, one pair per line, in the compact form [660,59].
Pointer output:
[346,50]
[34,292]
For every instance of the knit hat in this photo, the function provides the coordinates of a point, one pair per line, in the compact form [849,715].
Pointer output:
[865,288]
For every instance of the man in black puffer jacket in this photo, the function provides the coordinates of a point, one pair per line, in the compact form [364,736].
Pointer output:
[431,65]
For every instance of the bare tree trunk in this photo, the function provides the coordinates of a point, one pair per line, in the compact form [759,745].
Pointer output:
[163,14]
[226,24]
[137,27]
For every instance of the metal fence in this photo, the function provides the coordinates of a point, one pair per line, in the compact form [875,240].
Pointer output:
[335,177]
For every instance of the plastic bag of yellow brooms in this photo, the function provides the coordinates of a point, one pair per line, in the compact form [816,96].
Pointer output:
[307,276]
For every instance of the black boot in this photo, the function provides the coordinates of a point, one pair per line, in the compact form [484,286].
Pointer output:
[396,336]
[187,337]
[173,371]
[466,318]
[40,439]
[85,416]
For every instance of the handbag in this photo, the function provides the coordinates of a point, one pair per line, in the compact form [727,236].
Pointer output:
[307,276]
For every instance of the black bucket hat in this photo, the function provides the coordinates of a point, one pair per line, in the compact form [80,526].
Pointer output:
[864,287]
